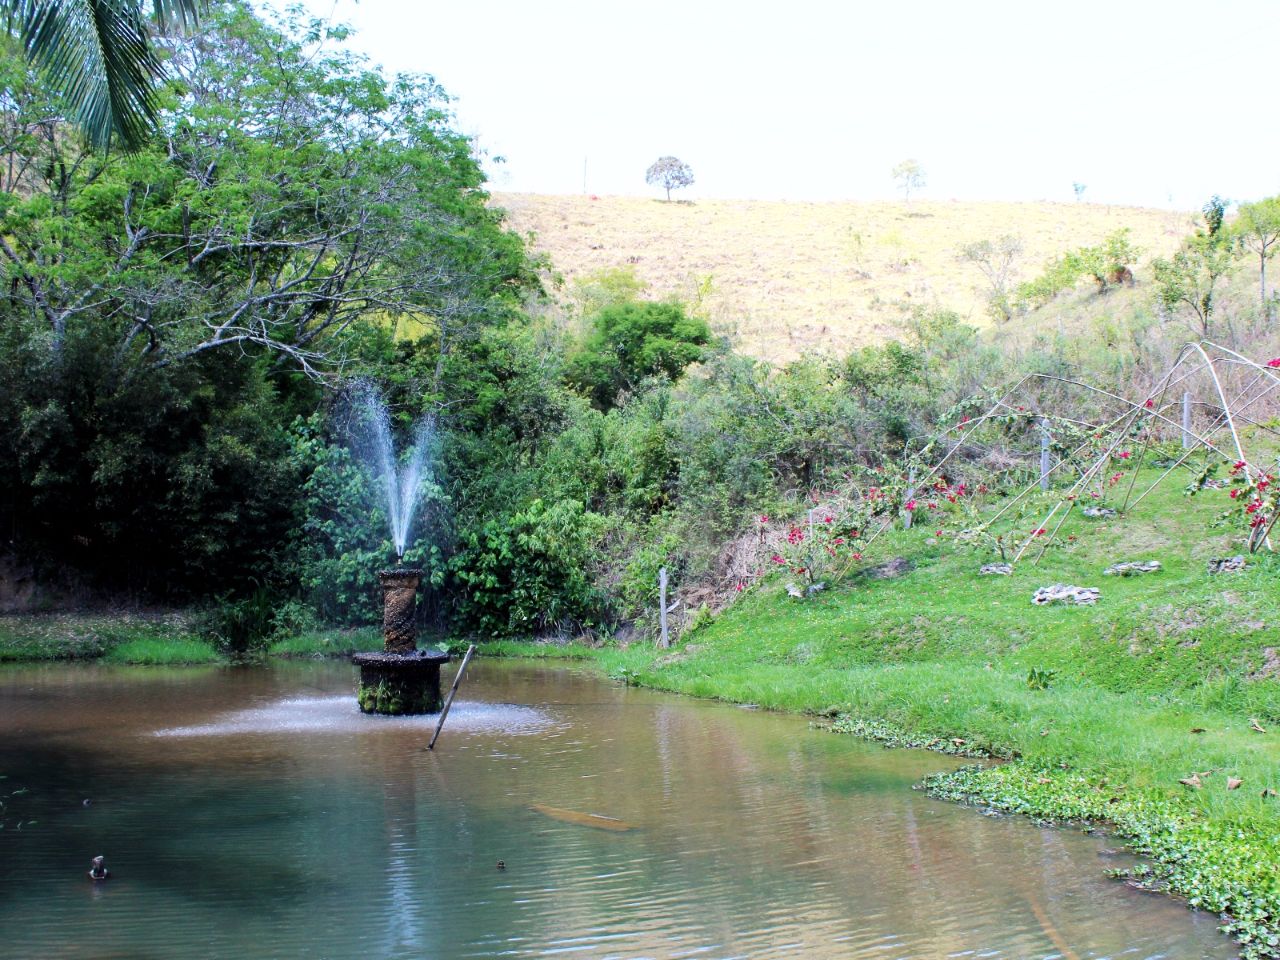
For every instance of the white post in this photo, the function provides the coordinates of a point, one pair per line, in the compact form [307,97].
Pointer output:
[1186,420]
[1044,456]
[911,493]
[811,509]
[662,607]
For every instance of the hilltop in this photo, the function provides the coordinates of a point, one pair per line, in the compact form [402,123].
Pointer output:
[788,277]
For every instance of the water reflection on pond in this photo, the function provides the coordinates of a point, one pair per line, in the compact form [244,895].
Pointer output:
[254,812]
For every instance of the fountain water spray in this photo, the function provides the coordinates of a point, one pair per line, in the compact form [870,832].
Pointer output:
[401,679]
[375,446]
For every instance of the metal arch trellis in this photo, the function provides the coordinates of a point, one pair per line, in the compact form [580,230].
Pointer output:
[1203,357]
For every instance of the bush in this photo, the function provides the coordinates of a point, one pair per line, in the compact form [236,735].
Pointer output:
[631,341]
[529,572]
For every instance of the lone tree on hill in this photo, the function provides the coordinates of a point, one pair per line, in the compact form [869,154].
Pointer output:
[669,172]
[910,176]
[1258,227]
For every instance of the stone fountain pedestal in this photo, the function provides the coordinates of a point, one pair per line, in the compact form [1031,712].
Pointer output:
[402,679]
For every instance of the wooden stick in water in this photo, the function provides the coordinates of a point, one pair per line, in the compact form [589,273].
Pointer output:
[452,690]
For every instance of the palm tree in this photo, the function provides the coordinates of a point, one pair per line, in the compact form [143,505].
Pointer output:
[98,56]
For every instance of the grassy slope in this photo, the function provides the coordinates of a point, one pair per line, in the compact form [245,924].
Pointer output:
[940,657]
[792,277]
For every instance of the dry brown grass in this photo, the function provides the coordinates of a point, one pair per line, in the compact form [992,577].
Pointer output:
[793,277]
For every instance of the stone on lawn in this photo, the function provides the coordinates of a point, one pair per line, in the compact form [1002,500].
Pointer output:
[996,570]
[1132,568]
[1098,512]
[1065,593]
[1226,564]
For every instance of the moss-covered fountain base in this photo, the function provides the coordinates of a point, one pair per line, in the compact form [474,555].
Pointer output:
[401,679]
[399,683]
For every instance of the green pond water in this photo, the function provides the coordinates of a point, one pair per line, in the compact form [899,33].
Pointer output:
[253,812]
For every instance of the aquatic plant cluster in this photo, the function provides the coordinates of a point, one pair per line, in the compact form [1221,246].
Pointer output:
[1203,861]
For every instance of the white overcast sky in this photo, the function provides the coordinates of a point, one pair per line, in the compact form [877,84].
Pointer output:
[1151,103]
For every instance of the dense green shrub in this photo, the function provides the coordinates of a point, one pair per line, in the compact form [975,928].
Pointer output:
[529,571]
[628,342]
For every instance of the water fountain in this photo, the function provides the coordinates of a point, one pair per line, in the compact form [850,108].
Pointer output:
[401,679]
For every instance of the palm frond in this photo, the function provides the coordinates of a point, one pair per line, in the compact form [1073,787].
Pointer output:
[97,54]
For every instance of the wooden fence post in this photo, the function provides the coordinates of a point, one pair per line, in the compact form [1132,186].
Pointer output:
[1044,456]
[662,607]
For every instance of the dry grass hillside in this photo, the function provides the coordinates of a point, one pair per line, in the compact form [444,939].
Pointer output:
[789,277]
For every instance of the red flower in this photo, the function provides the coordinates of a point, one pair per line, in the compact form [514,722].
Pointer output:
[738,588]
[1257,521]
[1038,533]
[937,533]
[932,505]
[1124,454]
[1238,466]
[777,559]
[1274,362]
[827,519]
[764,518]
[1149,404]
[964,419]
[857,556]
[909,505]
[838,541]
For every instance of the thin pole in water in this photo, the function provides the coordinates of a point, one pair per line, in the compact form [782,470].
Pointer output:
[452,690]
[662,606]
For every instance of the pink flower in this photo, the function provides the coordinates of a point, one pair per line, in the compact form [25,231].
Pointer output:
[1149,404]
[1038,533]
[937,533]
[1124,454]
[777,559]
[838,541]
[1274,362]
[857,556]
[764,518]
[964,420]
[828,519]
[738,588]
[1234,494]
[909,505]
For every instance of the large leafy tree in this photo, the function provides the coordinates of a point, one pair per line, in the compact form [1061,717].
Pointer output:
[167,311]
[98,56]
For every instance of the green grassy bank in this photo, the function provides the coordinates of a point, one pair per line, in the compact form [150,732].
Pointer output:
[170,638]
[1172,676]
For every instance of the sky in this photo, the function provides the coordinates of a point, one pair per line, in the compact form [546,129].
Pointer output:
[1145,103]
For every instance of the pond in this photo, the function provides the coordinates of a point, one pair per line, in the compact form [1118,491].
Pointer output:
[253,812]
